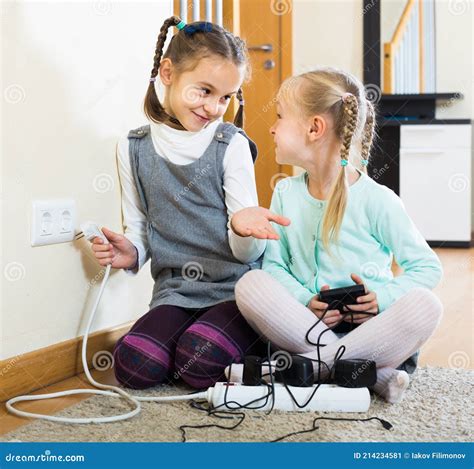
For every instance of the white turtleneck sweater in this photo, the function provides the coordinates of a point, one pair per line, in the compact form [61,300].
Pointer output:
[183,147]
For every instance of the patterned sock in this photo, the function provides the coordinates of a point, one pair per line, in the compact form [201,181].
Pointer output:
[391,384]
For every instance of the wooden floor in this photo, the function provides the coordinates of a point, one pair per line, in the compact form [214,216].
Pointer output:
[450,346]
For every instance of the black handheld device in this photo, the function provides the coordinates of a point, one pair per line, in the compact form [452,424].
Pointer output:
[337,298]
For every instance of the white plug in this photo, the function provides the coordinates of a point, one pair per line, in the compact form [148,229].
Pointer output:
[235,375]
[92,230]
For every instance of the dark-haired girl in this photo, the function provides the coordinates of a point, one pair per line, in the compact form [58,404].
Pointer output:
[183,176]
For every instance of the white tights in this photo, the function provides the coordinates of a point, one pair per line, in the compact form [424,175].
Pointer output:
[388,338]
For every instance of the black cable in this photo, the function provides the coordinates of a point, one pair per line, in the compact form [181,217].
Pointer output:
[231,414]
[338,356]
[210,425]
[385,424]
[222,414]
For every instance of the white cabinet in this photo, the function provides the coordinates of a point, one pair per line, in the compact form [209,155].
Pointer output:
[435,179]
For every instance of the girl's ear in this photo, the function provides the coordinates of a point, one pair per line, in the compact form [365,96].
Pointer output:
[166,71]
[317,129]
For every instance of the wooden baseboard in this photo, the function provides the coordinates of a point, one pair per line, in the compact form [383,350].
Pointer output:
[35,370]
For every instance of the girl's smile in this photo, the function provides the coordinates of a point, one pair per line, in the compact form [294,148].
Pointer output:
[202,119]
[200,96]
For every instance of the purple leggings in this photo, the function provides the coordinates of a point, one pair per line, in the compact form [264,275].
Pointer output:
[170,342]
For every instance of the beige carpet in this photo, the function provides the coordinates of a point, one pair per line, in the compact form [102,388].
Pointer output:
[436,407]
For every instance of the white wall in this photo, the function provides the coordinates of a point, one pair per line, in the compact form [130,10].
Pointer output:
[74,75]
[455,56]
[327,32]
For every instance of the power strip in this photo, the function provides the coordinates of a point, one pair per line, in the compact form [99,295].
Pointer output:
[328,398]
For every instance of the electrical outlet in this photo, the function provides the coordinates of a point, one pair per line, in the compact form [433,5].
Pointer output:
[53,221]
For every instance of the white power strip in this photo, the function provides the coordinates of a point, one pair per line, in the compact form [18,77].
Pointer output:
[328,398]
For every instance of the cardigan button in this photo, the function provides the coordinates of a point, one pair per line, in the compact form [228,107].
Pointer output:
[139,132]
[219,135]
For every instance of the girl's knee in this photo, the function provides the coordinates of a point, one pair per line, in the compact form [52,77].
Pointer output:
[432,307]
[141,363]
[249,280]
[248,291]
[202,354]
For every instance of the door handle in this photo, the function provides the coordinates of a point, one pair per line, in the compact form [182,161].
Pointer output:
[269,64]
[262,47]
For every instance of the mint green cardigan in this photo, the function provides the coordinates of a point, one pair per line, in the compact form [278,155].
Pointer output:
[375,228]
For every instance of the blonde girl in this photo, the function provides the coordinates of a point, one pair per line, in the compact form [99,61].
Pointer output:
[345,229]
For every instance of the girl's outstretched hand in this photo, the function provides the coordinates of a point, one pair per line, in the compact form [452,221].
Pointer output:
[255,221]
[121,252]
[367,303]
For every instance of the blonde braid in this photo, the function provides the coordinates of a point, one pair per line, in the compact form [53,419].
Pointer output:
[334,213]
[367,135]
[351,111]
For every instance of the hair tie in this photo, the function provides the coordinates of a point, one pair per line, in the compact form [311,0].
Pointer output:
[152,79]
[343,162]
[345,96]
[241,102]
[364,162]
[202,26]
[181,25]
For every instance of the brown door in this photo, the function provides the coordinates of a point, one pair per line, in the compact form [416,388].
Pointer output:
[265,25]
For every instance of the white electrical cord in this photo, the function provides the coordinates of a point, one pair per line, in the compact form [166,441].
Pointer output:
[90,231]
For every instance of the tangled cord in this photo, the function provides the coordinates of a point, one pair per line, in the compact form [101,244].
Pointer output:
[222,414]
[386,425]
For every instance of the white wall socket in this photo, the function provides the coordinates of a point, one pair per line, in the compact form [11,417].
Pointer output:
[53,221]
